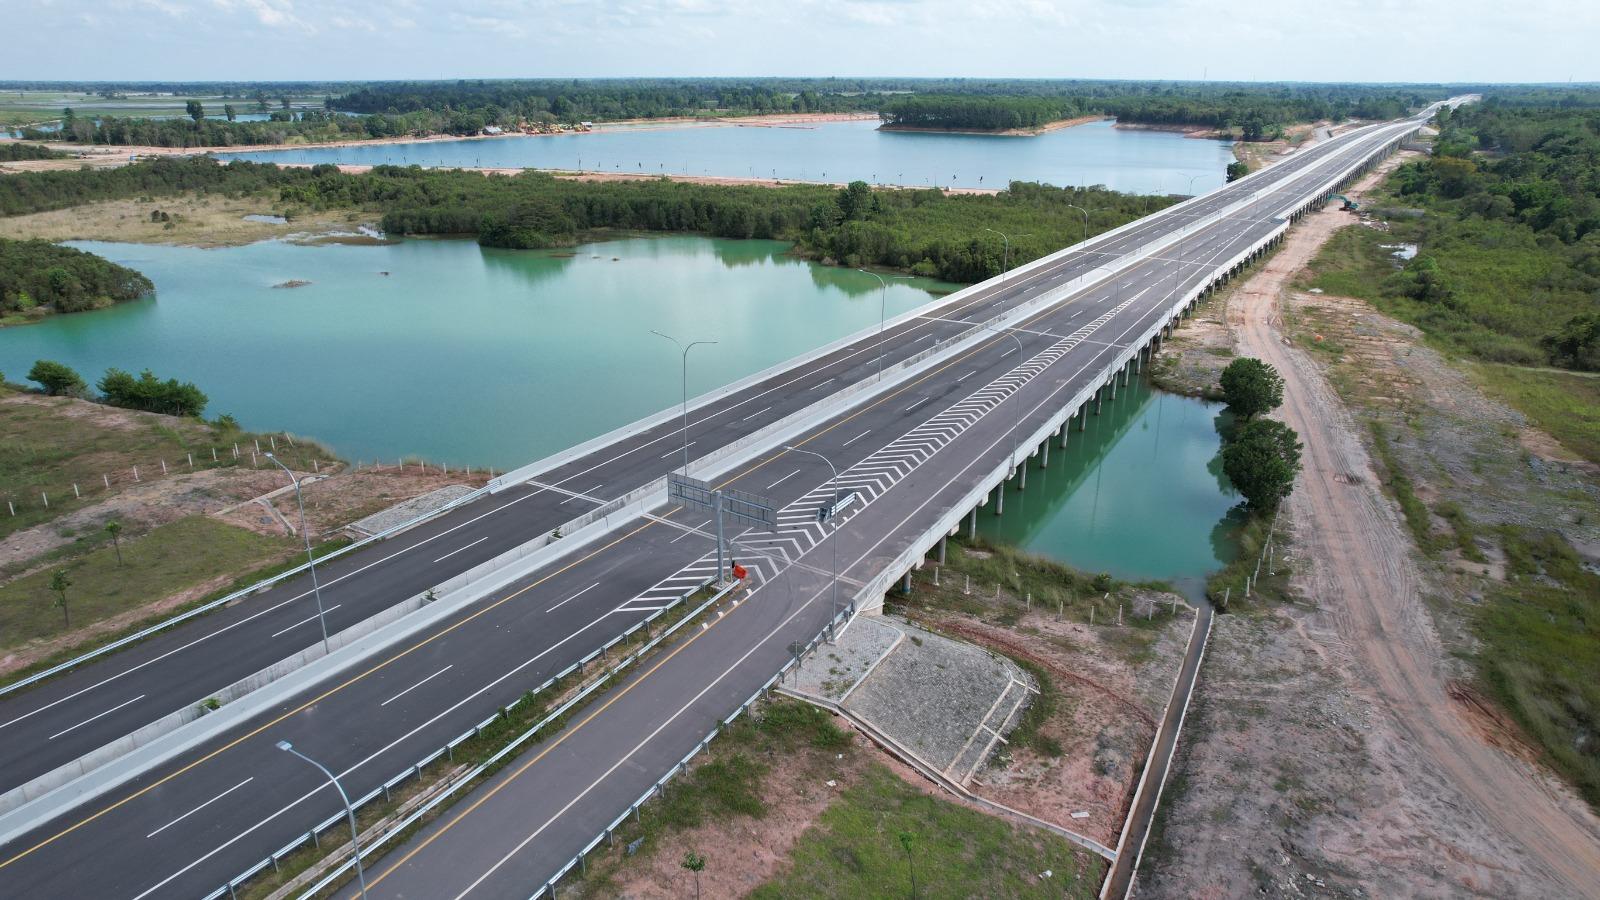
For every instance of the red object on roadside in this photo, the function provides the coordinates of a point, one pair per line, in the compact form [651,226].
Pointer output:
[739,571]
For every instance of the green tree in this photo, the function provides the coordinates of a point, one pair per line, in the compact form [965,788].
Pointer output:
[56,378]
[59,582]
[230,112]
[911,866]
[1250,387]
[1237,170]
[114,528]
[1577,344]
[695,863]
[1262,461]
[196,111]
[855,201]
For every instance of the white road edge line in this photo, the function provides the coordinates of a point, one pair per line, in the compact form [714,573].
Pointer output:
[201,806]
[310,618]
[459,549]
[96,716]
[573,597]
[417,685]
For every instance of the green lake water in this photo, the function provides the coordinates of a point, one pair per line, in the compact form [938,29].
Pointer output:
[462,354]
[1139,494]
[454,352]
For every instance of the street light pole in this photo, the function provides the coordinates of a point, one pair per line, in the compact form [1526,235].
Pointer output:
[311,560]
[355,837]
[834,489]
[685,349]
[883,308]
[1006,261]
[1085,221]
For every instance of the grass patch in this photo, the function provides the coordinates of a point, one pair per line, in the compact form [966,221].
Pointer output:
[166,560]
[1040,709]
[1565,405]
[1419,521]
[1226,588]
[48,444]
[1540,650]
[856,850]
[1350,264]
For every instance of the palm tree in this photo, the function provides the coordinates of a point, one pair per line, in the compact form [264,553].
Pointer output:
[695,863]
[114,528]
[59,582]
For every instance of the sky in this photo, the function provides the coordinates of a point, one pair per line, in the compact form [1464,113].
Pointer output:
[1247,40]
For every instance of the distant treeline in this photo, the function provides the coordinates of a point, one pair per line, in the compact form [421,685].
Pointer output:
[927,232]
[39,273]
[12,151]
[1509,268]
[285,126]
[506,102]
[977,113]
[467,107]
[1257,112]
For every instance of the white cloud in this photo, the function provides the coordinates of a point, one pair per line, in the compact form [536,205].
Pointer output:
[1546,40]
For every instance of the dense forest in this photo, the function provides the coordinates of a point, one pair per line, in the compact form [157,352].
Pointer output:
[927,232]
[1258,112]
[37,274]
[976,113]
[1509,267]
[13,151]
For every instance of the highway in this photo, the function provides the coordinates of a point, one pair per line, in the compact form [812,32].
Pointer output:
[58,721]
[188,826]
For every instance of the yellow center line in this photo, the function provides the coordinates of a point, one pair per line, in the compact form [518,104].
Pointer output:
[330,692]
[560,739]
[323,696]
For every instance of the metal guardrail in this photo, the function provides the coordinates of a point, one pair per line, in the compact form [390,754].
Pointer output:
[608,833]
[448,749]
[682,766]
[236,595]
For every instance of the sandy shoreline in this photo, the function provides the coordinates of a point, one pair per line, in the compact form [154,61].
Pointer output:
[1008,132]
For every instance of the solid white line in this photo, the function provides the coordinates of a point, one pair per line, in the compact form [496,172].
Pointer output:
[969,374]
[821,383]
[96,716]
[783,479]
[573,597]
[1013,349]
[459,549]
[917,404]
[678,449]
[311,618]
[639,609]
[688,533]
[201,806]
[754,414]
[417,685]
[856,438]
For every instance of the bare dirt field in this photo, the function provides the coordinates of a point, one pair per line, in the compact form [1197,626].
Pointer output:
[1333,752]
[194,221]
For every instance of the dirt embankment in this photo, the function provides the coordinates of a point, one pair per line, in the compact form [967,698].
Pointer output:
[1331,754]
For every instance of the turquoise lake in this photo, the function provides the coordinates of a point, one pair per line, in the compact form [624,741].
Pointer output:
[1132,160]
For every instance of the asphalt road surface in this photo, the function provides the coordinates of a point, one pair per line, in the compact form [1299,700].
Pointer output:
[188,826]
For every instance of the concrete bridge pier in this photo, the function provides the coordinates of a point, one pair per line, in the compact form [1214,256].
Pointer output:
[942,541]
[1112,385]
[1044,454]
[1022,474]
[1066,429]
[1099,396]
[1000,498]
[972,525]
